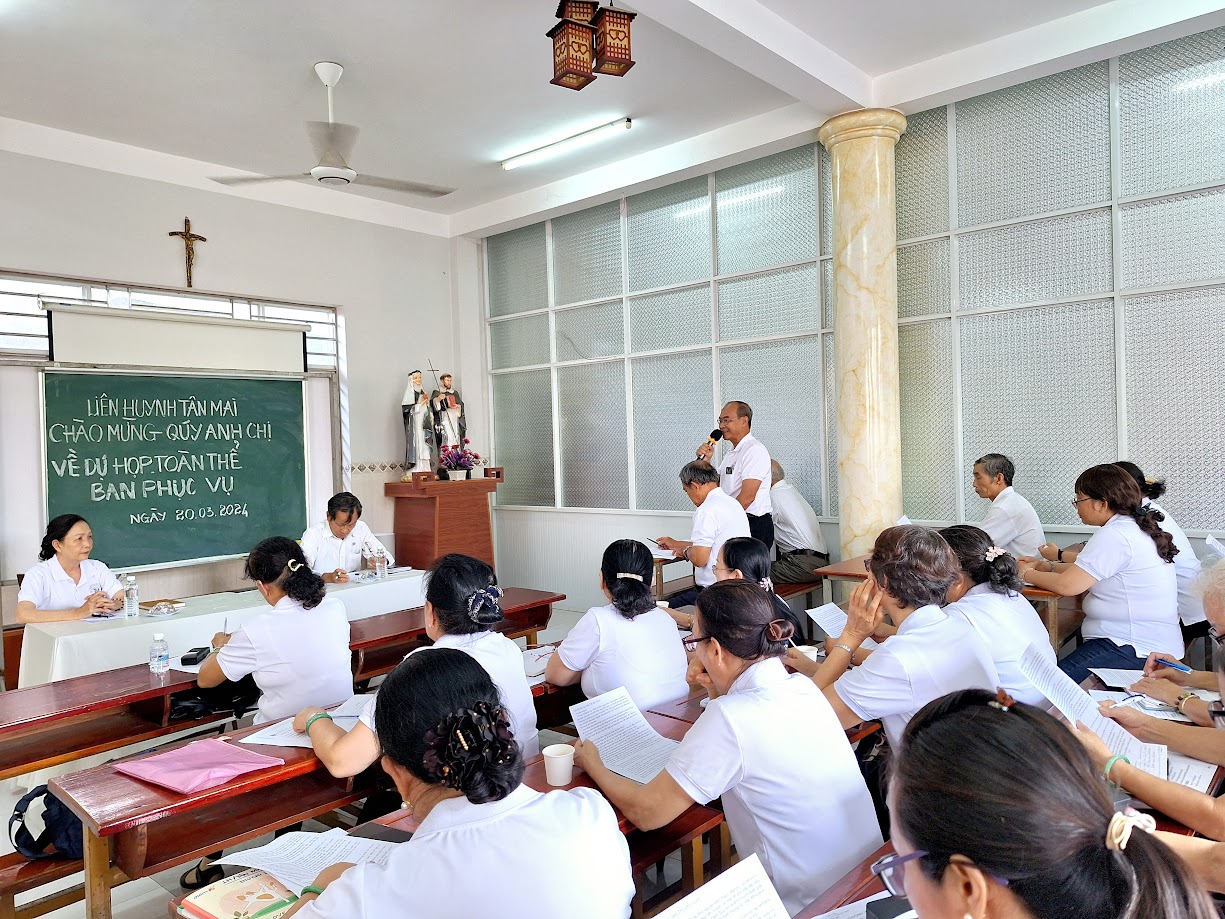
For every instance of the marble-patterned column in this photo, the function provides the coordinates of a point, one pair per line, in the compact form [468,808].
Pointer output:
[861,147]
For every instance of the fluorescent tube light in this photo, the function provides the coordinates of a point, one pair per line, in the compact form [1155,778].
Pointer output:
[567,144]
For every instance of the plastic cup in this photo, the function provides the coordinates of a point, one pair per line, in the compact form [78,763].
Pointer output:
[809,651]
[558,763]
[662,603]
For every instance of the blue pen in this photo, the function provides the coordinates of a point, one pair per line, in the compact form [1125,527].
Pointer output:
[1174,665]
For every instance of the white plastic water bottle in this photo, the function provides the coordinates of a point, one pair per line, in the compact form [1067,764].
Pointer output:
[131,598]
[380,564]
[159,654]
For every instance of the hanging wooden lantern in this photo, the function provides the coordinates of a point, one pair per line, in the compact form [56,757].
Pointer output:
[572,53]
[612,41]
[578,10]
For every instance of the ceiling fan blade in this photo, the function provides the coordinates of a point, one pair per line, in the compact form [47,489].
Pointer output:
[412,188]
[334,138]
[255,180]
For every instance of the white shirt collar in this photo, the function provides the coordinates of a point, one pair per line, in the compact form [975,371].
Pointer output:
[457,812]
[924,615]
[983,588]
[1007,490]
[459,641]
[59,574]
[744,441]
[711,492]
[760,674]
[285,603]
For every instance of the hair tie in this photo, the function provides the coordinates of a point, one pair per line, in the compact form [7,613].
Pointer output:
[631,576]
[993,553]
[482,596]
[766,584]
[1118,832]
[1002,701]
[1142,510]
[294,565]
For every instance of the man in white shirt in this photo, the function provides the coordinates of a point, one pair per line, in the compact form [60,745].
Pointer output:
[718,518]
[801,547]
[744,471]
[1012,523]
[336,546]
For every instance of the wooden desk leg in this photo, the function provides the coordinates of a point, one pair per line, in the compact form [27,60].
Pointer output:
[658,587]
[1052,621]
[691,866]
[97,876]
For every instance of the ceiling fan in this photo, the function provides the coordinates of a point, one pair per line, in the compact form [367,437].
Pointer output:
[333,143]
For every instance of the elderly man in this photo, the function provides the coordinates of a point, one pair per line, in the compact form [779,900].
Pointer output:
[744,472]
[717,519]
[801,547]
[336,546]
[1012,523]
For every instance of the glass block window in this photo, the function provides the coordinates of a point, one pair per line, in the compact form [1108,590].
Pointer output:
[523,435]
[591,411]
[672,394]
[766,212]
[929,448]
[677,319]
[517,271]
[923,283]
[1174,240]
[669,235]
[769,304]
[587,254]
[922,165]
[589,332]
[519,342]
[829,385]
[827,201]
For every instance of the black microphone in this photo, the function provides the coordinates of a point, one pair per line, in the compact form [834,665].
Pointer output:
[715,436]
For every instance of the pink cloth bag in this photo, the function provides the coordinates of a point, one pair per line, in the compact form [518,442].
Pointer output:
[198,765]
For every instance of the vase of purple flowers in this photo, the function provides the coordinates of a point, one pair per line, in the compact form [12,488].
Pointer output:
[457,461]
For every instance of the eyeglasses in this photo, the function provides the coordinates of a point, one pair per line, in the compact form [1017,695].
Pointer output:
[1215,635]
[867,563]
[891,870]
[1076,502]
[691,643]
[1216,711]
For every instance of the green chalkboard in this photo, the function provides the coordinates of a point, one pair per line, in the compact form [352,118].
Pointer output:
[168,468]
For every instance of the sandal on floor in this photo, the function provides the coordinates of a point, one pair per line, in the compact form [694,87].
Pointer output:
[193,878]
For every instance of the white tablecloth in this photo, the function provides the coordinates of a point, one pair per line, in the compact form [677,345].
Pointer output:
[59,650]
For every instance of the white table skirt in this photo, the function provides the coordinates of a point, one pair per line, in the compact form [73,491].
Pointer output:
[59,650]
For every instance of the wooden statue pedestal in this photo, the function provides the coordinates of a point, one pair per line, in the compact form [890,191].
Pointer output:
[434,517]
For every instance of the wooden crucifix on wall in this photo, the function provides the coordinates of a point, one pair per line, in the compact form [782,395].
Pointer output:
[189,244]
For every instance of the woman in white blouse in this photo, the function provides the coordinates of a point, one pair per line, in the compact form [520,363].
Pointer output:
[988,597]
[768,745]
[1126,567]
[932,652]
[629,642]
[461,604]
[67,584]
[485,844]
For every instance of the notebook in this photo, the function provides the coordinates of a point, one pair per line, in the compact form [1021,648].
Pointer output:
[250,894]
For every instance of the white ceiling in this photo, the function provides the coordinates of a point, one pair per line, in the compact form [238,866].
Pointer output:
[878,36]
[444,89]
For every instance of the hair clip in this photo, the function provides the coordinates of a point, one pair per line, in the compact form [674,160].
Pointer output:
[294,564]
[631,576]
[993,553]
[459,735]
[766,584]
[1142,510]
[1002,700]
[1118,831]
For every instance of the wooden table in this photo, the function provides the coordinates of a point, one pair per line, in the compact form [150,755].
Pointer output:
[146,829]
[659,587]
[689,708]
[43,726]
[379,643]
[852,569]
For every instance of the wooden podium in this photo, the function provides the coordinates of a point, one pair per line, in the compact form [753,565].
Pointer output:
[434,517]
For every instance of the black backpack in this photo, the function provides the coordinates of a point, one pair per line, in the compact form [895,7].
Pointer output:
[62,833]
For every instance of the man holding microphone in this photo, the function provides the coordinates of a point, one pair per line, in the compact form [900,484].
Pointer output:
[744,472]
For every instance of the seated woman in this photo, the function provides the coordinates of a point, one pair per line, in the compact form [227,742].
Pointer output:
[988,596]
[630,642]
[485,844]
[932,653]
[747,559]
[975,835]
[1131,608]
[297,653]
[768,745]
[68,584]
[461,603]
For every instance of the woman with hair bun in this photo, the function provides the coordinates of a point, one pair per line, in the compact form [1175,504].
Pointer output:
[630,642]
[997,813]
[988,597]
[1126,572]
[67,583]
[485,844]
[461,607]
[768,744]
[298,652]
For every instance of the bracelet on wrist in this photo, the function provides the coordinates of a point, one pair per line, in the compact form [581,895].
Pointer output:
[846,648]
[311,720]
[311,888]
[1183,699]
[1110,765]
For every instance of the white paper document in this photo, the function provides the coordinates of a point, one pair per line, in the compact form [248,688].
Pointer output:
[1077,705]
[661,553]
[296,859]
[1194,773]
[1120,678]
[1164,712]
[352,707]
[627,744]
[833,621]
[856,910]
[534,662]
[282,734]
[741,892]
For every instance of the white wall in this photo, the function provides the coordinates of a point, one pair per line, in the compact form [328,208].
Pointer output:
[392,287]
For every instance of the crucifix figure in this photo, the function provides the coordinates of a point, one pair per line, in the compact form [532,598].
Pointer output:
[189,242]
